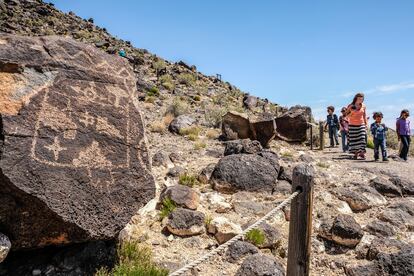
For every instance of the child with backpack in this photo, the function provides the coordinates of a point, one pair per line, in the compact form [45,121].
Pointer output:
[344,128]
[404,133]
[379,133]
[332,123]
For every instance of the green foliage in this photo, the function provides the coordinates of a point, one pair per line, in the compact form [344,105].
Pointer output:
[150,99]
[178,107]
[370,143]
[256,237]
[208,220]
[287,154]
[188,180]
[192,137]
[197,98]
[187,79]
[167,207]
[159,64]
[167,81]
[134,259]
[153,92]
[214,116]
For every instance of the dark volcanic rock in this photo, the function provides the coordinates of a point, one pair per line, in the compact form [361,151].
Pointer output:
[346,231]
[183,222]
[380,228]
[206,172]
[399,214]
[242,146]
[292,126]
[72,260]
[244,172]
[250,102]
[263,129]
[360,197]
[160,158]
[181,122]
[386,187]
[74,162]
[260,265]
[406,185]
[182,196]
[235,126]
[240,249]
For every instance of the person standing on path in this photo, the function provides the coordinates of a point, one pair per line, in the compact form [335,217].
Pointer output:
[332,124]
[344,128]
[356,113]
[379,133]
[404,133]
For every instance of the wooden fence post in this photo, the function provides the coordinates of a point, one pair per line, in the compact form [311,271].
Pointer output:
[300,226]
[321,136]
[311,136]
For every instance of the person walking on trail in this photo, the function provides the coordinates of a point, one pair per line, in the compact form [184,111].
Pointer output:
[332,123]
[122,52]
[379,133]
[344,128]
[404,133]
[356,113]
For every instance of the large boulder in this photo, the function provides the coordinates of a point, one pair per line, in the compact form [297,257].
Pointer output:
[250,102]
[292,125]
[235,126]
[182,196]
[242,146]
[181,122]
[244,172]
[74,162]
[346,231]
[263,128]
[183,222]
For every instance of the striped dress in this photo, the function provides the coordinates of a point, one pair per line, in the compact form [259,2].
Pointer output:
[357,131]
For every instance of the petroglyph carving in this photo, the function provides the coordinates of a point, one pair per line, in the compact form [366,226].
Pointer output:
[92,158]
[57,120]
[56,148]
[102,125]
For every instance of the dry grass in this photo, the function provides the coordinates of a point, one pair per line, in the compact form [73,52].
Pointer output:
[212,134]
[158,126]
[200,145]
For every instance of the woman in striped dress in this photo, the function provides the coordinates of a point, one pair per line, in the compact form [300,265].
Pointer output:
[357,126]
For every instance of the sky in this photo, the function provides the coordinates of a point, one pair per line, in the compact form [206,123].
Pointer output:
[314,53]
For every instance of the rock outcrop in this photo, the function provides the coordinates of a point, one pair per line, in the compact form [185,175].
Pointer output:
[260,265]
[74,161]
[292,125]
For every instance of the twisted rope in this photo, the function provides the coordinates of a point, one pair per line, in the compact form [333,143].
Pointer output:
[234,239]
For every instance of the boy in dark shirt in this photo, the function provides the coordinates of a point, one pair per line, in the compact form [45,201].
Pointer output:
[332,123]
[379,133]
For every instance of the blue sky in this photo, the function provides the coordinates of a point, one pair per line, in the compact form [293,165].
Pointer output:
[314,53]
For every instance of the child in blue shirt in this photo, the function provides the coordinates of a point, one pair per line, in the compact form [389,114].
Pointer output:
[379,133]
[332,123]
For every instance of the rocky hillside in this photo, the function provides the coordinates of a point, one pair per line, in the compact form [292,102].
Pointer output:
[206,190]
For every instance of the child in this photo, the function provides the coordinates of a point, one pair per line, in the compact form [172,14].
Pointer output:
[344,128]
[333,124]
[379,131]
[404,133]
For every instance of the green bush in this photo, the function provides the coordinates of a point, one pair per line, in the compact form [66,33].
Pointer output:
[256,237]
[167,82]
[200,145]
[322,165]
[193,130]
[167,207]
[134,259]
[188,180]
[214,116]
[153,92]
[159,65]
[187,79]
[178,107]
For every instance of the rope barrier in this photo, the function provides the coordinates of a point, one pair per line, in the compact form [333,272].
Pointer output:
[234,239]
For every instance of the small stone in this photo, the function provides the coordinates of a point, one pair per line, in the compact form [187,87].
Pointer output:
[218,203]
[260,265]
[223,229]
[272,236]
[240,249]
[205,173]
[170,238]
[36,272]
[406,185]
[160,159]
[5,246]
[183,222]
[346,231]
[360,198]
[399,214]
[181,122]
[242,146]
[175,171]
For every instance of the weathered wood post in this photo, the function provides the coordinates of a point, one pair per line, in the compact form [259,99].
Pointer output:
[321,136]
[300,227]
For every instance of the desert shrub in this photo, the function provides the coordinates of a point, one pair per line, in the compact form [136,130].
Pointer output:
[133,259]
[153,92]
[197,98]
[168,119]
[256,237]
[159,64]
[200,145]
[214,116]
[178,107]
[167,207]
[167,81]
[322,165]
[192,137]
[212,133]
[188,180]
[208,219]
[187,79]
[193,130]
[287,154]
[150,99]
[157,126]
